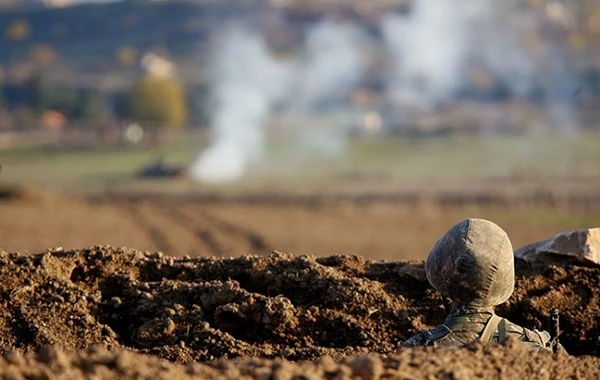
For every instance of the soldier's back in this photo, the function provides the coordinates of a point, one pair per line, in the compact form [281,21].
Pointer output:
[459,330]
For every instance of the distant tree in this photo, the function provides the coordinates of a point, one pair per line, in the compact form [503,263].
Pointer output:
[25,117]
[90,105]
[158,100]
[59,30]
[119,104]
[17,31]
[43,53]
[63,99]
[127,55]
[577,41]
[39,92]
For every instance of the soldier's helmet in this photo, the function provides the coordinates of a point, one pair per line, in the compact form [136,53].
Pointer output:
[473,263]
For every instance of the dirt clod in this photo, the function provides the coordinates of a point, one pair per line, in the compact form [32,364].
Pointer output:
[74,312]
[509,361]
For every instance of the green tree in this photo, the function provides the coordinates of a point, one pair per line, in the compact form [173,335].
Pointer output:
[18,31]
[40,92]
[63,99]
[2,102]
[43,54]
[127,55]
[25,118]
[158,100]
[90,106]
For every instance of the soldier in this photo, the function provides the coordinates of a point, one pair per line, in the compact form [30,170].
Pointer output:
[473,265]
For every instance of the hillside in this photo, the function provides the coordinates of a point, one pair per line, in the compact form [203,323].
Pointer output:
[92,32]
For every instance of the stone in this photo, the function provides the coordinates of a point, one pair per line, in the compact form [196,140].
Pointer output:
[156,330]
[580,245]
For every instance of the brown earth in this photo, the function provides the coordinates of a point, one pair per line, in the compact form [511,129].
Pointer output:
[509,361]
[107,313]
[281,306]
[376,227]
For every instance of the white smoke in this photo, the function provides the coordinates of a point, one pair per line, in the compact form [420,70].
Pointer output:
[332,66]
[247,81]
[499,43]
[434,45]
[433,51]
[429,49]
[512,44]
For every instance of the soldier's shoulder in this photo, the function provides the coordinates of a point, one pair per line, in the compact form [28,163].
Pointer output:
[534,337]
[427,337]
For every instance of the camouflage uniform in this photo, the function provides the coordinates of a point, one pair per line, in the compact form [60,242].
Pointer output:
[466,324]
[473,264]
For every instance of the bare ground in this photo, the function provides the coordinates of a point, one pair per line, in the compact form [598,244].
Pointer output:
[376,227]
[106,312]
[281,306]
[475,362]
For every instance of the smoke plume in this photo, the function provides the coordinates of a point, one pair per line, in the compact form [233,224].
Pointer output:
[435,46]
[333,64]
[428,48]
[247,81]
[433,51]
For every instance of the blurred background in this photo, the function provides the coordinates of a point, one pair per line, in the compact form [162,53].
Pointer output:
[221,127]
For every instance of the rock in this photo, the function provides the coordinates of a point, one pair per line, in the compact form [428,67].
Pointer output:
[580,245]
[156,330]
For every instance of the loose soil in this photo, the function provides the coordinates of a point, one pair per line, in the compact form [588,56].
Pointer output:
[106,312]
[510,362]
[95,302]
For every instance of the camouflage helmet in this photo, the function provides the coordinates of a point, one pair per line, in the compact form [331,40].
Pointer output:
[473,263]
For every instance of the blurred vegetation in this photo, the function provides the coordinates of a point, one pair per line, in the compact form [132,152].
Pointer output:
[139,24]
[37,95]
[39,92]
[82,60]
[158,100]
[17,31]
[90,106]
[127,55]
[152,100]
[512,162]
[59,61]
[86,170]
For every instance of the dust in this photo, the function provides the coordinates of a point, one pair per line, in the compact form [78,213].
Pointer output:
[92,304]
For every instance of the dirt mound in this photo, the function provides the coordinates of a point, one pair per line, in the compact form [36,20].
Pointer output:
[295,307]
[510,361]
